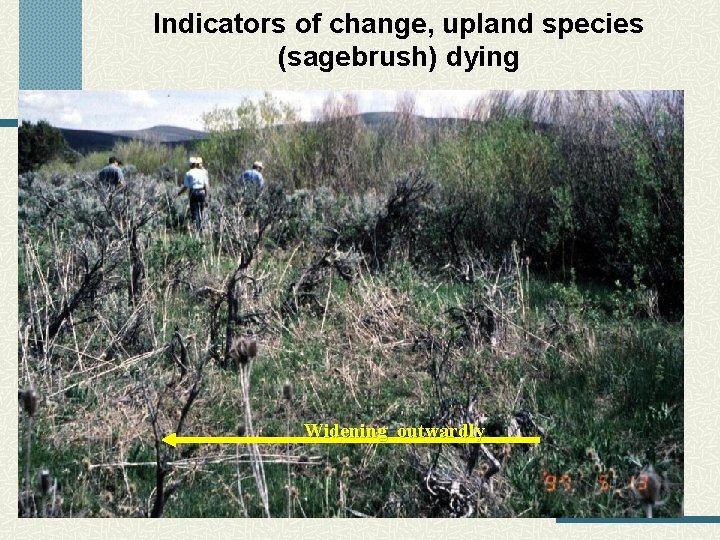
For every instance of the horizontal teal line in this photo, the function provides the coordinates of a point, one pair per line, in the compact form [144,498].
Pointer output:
[686,519]
[8,122]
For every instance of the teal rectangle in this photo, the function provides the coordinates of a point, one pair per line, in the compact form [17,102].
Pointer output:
[50,44]
[8,122]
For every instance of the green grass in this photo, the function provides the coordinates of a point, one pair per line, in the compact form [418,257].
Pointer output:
[610,379]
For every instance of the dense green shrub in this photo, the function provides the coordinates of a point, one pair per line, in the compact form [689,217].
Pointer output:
[578,180]
[39,144]
[150,158]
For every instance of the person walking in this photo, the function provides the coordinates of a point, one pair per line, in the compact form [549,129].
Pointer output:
[112,174]
[197,184]
[254,175]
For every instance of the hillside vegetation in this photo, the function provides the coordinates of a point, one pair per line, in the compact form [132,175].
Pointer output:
[521,270]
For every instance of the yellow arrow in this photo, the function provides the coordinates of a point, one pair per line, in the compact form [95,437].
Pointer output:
[173,440]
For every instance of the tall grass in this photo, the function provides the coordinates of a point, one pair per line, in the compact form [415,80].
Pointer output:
[379,310]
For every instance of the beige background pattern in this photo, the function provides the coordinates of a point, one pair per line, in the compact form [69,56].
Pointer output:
[678,49]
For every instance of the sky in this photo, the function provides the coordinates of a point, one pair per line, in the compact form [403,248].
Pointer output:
[139,109]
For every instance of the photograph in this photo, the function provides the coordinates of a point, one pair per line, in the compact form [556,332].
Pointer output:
[357,304]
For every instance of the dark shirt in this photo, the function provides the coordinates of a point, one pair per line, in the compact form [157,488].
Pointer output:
[251,176]
[111,175]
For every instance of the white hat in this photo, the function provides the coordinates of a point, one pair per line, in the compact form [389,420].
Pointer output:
[195,160]
[258,165]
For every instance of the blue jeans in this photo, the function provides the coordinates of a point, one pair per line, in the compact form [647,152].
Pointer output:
[197,205]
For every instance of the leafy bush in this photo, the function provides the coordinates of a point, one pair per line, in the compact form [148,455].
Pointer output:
[39,144]
[150,158]
[92,162]
[583,180]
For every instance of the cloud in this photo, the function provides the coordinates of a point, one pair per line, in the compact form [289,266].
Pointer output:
[57,107]
[44,101]
[140,99]
[305,103]
[70,116]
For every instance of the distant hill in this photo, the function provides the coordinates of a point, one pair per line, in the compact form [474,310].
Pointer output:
[85,141]
[163,134]
[375,120]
